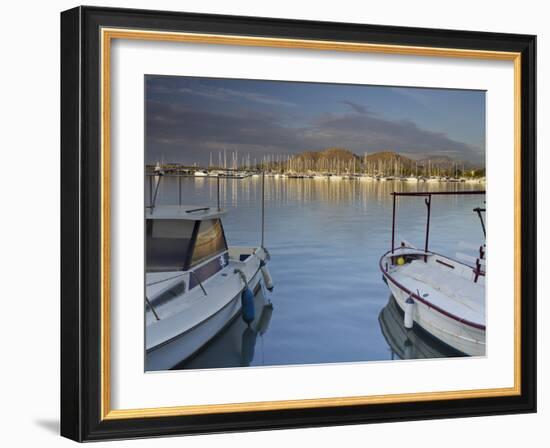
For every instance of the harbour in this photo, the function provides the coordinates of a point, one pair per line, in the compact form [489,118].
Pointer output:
[329,164]
[325,239]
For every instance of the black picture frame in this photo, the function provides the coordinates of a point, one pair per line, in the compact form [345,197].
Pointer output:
[81,224]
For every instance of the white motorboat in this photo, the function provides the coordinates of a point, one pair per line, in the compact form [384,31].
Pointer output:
[195,283]
[433,179]
[366,177]
[474,180]
[443,296]
[201,173]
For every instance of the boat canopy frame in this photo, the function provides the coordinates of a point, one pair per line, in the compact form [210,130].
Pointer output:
[153,192]
[428,201]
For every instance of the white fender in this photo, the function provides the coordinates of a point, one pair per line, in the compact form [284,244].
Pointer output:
[409,309]
[268,281]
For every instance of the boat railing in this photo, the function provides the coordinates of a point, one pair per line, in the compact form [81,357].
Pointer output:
[152,308]
[479,212]
[153,194]
[201,209]
[196,277]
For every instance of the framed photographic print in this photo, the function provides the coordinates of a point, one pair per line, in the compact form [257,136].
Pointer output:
[274,224]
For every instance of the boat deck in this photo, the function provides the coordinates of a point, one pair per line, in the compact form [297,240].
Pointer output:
[189,310]
[445,289]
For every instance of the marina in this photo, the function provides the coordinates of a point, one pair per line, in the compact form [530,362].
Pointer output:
[179,171]
[329,164]
[325,241]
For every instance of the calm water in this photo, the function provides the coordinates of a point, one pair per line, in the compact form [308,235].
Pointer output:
[325,239]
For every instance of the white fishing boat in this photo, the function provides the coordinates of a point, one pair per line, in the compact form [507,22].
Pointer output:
[443,296]
[201,173]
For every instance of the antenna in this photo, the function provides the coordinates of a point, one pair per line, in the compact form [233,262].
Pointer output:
[218,187]
[263,208]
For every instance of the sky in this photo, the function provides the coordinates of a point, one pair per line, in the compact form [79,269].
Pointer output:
[188,118]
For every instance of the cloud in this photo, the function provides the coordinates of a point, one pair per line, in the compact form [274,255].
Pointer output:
[187,125]
[220,93]
[356,107]
[181,133]
[375,133]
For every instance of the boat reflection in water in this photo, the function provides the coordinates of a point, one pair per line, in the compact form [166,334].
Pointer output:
[236,346]
[410,344]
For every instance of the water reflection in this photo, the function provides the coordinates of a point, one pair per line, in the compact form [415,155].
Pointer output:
[281,191]
[325,238]
[239,345]
[409,343]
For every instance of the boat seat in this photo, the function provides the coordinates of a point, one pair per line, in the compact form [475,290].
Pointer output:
[458,288]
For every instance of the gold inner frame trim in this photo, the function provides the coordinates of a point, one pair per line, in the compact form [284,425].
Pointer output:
[107,35]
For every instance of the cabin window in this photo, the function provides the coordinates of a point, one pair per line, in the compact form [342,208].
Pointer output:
[210,241]
[168,243]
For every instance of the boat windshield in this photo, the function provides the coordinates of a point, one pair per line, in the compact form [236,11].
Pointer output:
[210,241]
[167,244]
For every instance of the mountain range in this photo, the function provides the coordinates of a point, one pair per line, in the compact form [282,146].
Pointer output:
[346,156]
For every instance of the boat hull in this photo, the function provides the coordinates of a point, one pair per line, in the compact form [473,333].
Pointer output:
[413,343]
[176,350]
[464,338]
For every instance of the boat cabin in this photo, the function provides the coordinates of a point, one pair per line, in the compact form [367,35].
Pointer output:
[185,238]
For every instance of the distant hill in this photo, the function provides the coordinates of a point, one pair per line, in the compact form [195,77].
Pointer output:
[342,154]
[341,160]
[436,159]
[345,156]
